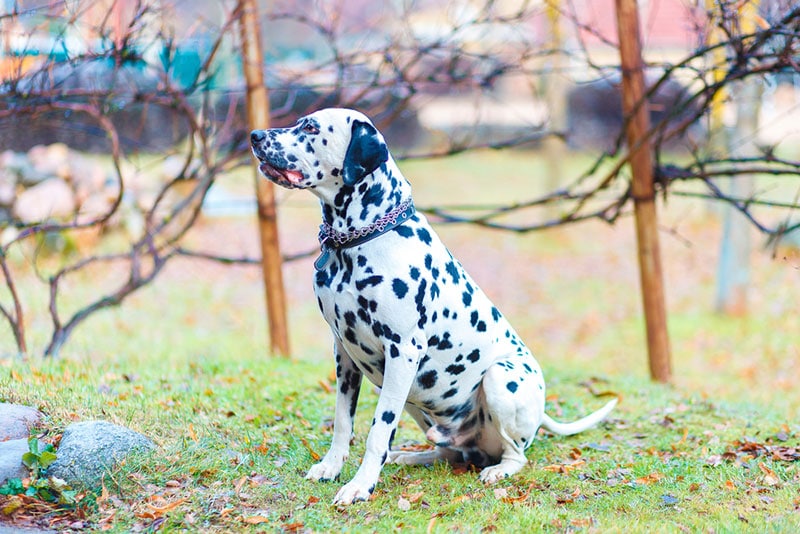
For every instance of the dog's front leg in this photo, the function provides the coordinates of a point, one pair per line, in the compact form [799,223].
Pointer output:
[348,384]
[399,374]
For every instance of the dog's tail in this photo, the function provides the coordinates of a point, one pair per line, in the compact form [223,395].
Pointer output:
[567,429]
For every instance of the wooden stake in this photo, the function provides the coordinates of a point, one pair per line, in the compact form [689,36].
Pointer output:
[636,109]
[258,117]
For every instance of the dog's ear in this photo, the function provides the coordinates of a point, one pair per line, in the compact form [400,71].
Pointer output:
[365,153]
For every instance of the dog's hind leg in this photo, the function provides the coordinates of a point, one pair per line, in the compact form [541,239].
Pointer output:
[514,395]
[424,457]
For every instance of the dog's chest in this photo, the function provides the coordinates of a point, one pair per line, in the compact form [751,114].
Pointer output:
[407,296]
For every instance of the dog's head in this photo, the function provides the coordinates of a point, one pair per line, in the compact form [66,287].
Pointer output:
[326,149]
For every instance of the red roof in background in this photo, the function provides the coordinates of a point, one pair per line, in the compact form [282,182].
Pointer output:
[664,23]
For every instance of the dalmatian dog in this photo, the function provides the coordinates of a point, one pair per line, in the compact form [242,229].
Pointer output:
[405,314]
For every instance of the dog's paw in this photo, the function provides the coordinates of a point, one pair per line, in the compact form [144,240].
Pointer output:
[492,474]
[504,469]
[324,471]
[400,457]
[350,493]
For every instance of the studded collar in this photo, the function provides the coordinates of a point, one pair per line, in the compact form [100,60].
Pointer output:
[330,238]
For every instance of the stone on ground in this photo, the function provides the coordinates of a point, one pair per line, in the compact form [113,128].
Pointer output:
[90,449]
[11,459]
[16,421]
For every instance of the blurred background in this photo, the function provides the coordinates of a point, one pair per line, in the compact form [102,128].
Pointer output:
[125,174]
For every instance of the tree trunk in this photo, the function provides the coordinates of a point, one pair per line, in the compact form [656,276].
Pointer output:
[258,117]
[636,111]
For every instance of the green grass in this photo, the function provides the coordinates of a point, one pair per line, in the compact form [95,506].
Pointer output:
[184,361]
[237,434]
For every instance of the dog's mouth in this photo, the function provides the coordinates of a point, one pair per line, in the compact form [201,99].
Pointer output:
[284,177]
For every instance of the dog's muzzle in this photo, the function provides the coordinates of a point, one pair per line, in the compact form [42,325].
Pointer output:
[283,177]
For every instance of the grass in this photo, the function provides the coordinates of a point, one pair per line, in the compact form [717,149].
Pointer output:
[184,362]
[237,435]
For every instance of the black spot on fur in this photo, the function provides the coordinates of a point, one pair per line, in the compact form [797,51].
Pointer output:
[452,271]
[369,281]
[387,417]
[512,386]
[399,287]
[424,236]
[404,231]
[427,379]
[434,291]
[455,368]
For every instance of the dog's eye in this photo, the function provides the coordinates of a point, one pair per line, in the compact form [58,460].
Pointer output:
[310,129]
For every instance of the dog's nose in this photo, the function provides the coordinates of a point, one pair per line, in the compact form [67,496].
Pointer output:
[257,136]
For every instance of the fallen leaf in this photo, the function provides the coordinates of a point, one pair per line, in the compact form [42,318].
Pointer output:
[403,504]
[255,520]
[414,497]
[462,498]
[564,468]
[652,478]
[161,510]
[431,523]
[770,478]
[292,527]
[103,495]
[13,504]
[314,455]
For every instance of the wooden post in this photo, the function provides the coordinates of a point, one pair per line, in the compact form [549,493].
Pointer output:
[634,105]
[258,117]
[555,96]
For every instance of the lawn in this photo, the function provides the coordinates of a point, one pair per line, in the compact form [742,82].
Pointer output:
[185,362]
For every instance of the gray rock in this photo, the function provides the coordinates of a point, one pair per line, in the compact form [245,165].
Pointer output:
[8,187]
[11,459]
[11,529]
[50,160]
[16,421]
[19,166]
[90,449]
[52,198]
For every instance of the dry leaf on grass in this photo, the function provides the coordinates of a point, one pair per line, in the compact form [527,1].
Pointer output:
[652,478]
[565,467]
[314,455]
[255,519]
